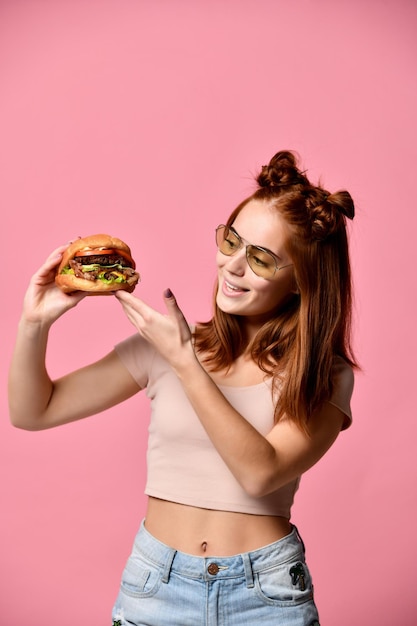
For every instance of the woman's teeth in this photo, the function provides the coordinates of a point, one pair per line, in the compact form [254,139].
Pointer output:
[233,287]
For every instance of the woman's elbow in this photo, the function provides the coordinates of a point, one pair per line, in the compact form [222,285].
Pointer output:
[262,484]
[25,422]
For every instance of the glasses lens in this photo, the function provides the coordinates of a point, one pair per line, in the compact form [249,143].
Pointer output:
[261,262]
[227,241]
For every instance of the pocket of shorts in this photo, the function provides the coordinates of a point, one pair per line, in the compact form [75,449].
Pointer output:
[287,584]
[140,578]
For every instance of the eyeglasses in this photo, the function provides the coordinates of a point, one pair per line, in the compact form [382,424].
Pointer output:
[261,261]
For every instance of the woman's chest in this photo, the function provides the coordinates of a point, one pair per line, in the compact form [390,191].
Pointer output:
[174,416]
[243,373]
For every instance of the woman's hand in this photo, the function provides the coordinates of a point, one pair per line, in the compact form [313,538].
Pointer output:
[169,334]
[44,302]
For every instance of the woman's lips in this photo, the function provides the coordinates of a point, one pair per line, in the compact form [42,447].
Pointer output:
[230,289]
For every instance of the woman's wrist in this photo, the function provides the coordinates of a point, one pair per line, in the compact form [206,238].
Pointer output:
[32,329]
[186,364]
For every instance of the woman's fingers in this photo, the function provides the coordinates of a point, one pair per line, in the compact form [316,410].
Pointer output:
[175,311]
[165,332]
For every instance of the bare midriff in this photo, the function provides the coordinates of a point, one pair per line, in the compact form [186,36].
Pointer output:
[205,532]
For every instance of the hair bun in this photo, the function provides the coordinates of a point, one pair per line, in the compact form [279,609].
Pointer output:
[342,200]
[327,211]
[281,170]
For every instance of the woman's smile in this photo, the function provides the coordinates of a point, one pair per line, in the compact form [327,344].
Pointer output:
[231,289]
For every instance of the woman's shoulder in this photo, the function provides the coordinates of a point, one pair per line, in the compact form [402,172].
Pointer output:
[343,383]
[137,355]
[342,372]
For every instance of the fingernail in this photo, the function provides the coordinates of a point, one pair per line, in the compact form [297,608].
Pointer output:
[168,293]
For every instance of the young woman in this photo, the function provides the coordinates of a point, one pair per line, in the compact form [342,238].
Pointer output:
[241,405]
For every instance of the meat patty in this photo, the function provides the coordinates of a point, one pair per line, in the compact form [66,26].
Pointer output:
[104,259]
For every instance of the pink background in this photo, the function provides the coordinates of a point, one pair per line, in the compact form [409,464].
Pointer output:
[147,119]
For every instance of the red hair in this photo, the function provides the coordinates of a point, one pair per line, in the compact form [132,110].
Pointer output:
[298,346]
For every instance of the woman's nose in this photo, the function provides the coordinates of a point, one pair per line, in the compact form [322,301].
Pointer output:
[237,263]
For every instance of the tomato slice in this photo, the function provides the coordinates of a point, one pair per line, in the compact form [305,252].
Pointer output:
[94,252]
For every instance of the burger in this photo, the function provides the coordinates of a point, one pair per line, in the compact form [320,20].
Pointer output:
[98,264]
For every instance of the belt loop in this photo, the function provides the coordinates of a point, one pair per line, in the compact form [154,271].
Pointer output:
[248,570]
[300,539]
[167,568]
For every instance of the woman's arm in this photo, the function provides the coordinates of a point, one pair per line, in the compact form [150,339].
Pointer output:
[37,402]
[260,464]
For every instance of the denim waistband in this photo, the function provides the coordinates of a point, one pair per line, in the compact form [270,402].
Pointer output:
[213,568]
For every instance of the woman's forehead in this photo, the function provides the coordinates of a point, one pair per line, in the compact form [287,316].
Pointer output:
[261,224]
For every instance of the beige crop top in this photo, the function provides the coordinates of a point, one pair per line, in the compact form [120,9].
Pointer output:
[183,465]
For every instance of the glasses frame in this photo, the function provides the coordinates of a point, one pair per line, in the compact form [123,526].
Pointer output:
[248,248]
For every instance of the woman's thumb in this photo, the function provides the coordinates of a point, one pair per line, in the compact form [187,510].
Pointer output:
[168,294]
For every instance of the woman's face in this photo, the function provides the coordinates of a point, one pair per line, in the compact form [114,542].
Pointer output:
[240,290]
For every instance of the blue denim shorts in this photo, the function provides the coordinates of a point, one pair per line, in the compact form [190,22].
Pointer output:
[163,587]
